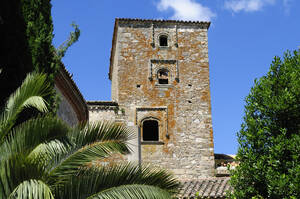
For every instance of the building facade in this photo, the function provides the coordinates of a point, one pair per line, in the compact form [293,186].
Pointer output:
[72,107]
[159,72]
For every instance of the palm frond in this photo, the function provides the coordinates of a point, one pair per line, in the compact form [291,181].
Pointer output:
[134,191]
[28,135]
[17,160]
[46,152]
[89,143]
[79,187]
[92,180]
[100,131]
[15,170]
[37,102]
[68,161]
[30,93]
[121,174]
[33,189]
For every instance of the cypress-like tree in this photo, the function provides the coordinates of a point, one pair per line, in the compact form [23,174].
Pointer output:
[26,40]
[15,56]
[269,140]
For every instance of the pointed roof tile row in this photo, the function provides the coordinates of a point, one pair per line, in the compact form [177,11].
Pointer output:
[215,188]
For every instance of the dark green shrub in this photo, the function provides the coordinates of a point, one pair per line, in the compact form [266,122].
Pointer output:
[269,140]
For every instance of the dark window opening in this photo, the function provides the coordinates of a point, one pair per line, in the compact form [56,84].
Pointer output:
[163,81]
[150,130]
[138,86]
[163,76]
[190,101]
[163,40]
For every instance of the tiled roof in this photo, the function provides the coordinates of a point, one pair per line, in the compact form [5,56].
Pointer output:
[216,187]
[64,70]
[64,78]
[163,21]
[102,103]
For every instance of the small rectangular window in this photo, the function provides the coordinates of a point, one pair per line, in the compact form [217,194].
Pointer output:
[163,76]
[163,40]
[150,130]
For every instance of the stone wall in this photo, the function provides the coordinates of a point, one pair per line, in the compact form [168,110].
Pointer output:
[110,111]
[182,106]
[66,111]
[72,108]
[97,114]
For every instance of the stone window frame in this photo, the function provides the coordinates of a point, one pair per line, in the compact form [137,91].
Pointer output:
[149,118]
[164,62]
[169,40]
[170,76]
[161,38]
[161,123]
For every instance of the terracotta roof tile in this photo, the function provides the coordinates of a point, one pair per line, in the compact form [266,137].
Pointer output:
[163,21]
[71,86]
[102,103]
[63,68]
[208,187]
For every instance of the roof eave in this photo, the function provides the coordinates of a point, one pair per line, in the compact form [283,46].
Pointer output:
[64,81]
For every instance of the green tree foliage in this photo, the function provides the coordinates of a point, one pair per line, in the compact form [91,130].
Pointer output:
[39,32]
[15,58]
[62,49]
[26,40]
[43,158]
[269,140]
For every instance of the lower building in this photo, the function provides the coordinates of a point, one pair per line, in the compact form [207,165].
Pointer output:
[72,107]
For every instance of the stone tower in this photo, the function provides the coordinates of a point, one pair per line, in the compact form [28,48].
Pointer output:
[160,80]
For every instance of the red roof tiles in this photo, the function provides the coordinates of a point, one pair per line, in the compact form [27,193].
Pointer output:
[208,188]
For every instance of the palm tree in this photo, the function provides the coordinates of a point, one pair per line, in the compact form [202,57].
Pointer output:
[43,158]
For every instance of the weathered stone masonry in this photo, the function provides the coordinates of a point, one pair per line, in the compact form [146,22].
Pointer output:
[72,108]
[167,84]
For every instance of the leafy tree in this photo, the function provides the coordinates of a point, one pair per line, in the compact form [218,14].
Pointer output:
[269,140]
[15,59]
[42,158]
[26,42]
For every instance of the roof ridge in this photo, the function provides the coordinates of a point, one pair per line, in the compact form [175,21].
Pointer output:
[64,75]
[102,103]
[163,20]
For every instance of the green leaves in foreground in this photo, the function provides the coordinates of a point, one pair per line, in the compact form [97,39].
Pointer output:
[269,140]
[108,182]
[132,191]
[32,189]
[30,94]
[43,158]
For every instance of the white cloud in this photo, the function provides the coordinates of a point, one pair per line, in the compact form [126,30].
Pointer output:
[247,5]
[287,6]
[186,10]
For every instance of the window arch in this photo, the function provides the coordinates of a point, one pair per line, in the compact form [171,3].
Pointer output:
[150,130]
[163,76]
[163,40]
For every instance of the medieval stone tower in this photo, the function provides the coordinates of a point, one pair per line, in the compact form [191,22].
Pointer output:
[159,72]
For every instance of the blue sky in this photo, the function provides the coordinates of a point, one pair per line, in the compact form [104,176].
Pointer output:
[243,38]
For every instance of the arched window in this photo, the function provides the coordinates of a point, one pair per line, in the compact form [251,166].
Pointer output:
[163,76]
[150,130]
[163,40]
